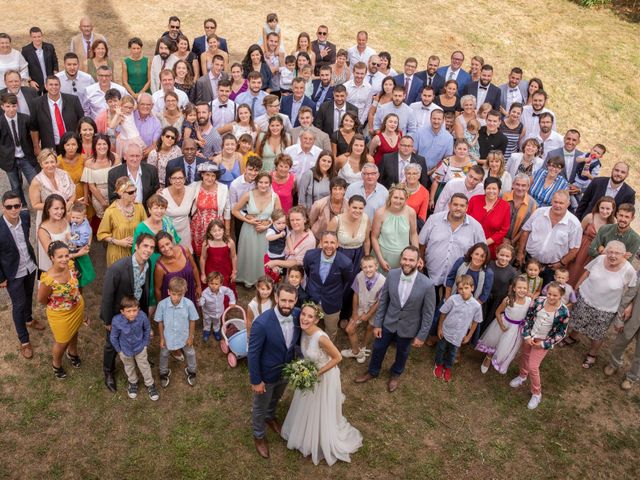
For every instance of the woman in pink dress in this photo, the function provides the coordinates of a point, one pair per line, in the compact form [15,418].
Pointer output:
[284,182]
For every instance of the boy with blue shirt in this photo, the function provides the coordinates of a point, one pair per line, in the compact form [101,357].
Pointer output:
[177,317]
[130,331]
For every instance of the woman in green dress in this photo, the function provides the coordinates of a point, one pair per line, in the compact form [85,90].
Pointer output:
[99,57]
[135,69]
[394,228]
[156,222]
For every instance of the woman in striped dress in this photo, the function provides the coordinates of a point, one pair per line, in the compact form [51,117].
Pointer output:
[513,129]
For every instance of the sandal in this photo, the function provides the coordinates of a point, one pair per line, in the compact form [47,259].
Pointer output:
[74,360]
[588,362]
[569,341]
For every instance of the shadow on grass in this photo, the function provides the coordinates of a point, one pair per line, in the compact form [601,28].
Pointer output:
[628,10]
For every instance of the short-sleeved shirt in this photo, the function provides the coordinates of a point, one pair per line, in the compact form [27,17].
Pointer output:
[603,289]
[175,319]
[460,315]
[547,243]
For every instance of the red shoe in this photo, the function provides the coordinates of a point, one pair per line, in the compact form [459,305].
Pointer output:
[437,371]
[447,374]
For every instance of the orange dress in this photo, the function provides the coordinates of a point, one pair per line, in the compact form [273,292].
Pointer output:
[206,210]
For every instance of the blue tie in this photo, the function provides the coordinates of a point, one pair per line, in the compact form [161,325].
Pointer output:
[189,174]
[253,106]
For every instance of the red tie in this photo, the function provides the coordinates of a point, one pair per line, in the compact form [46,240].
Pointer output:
[59,121]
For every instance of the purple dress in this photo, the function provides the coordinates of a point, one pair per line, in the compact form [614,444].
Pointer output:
[186,273]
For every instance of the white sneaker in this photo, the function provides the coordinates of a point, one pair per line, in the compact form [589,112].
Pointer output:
[516,382]
[484,368]
[534,402]
[348,353]
[361,357]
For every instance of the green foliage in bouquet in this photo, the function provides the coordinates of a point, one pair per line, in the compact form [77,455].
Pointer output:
[301,374]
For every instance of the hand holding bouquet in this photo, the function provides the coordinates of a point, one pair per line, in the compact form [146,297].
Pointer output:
[301,374]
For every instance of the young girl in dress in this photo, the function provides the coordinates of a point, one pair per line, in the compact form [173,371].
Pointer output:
[123,121]
[533,269]
[263,301]
[189,126]
[471,136]
[219,255]
[502,339]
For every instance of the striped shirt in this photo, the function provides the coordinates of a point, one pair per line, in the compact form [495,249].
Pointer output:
[543,195]
[513,138]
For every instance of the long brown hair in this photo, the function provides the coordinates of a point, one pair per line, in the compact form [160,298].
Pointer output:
[284,141]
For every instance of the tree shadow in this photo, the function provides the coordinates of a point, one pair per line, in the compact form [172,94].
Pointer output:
[627,10]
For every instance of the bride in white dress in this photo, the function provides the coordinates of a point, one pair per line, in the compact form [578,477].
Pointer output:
[314,424]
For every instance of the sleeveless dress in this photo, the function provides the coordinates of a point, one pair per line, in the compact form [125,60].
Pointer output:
[99,177]
[504,345]
[342,146]
[206,210]
[314,424]
[137,73]
[385,148]
[268,156]
[253,245]
[347,173]
[394,237]
[352,247]
[75,172]
[284,191]
[339,79]
[65,306]
[44,262]
[230,175]
[219,260]
[186,273]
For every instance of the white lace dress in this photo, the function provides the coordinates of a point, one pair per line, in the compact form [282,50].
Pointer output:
[315,425]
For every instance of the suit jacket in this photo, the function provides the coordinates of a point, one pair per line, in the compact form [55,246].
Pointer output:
[328,293]
[150,183]
[42,122]
[77,45]
[204,93]
[523,86]
[415,317]
[597,189]
[558,152]
[118,282]
[328,60]
[10,258]
[178,162]
[316,91]
[200,45]
[29,94]
[437,82]
[324,116]
[415,88]
[389,169]
[322,139]
[268,352]
[463,78]
[493,94]
[286,105]
[50,62]
[7,147]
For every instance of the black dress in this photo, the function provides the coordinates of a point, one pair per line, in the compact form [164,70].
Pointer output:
[502,278]
[455,108]
[342,146]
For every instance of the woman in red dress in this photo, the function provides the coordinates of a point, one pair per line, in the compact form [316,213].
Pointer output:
[387,139]
[493,213]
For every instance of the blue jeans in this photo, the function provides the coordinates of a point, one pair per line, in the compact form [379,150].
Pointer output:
[264,406]
[22,167]
[380,346]
[445,353]
[20,291]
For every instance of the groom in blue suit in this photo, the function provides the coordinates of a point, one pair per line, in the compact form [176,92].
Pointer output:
[274,335]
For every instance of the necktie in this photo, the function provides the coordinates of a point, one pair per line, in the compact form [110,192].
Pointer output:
[88,47]
[223,105]
[319,94]
[450,75]
[190,173]
[482,88]
[428,81]
[59,121]
[407,83]
[253,105]
[286,320]
[371,78]
[536,114]
[404,278]
[164,64]
[16,139]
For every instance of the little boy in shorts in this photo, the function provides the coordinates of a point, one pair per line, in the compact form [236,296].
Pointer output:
[212,303]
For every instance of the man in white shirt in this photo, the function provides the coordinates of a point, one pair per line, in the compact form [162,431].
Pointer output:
[552,235]
[244,183]
[304,154]
[167,84]
[424,107]
[514,91]
[223,110]
[72,80]
[164,60]
[469,186]
[94,101]
[374,77]
[531,114]
[406,115]
[569,152]
[547,137]
[373,192]
[359,92]
[360,52]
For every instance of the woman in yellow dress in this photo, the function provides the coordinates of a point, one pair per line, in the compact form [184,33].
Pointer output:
[120,220]
[71,161]
[59,291]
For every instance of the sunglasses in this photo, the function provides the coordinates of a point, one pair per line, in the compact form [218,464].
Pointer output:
[322,33]
[73,85]
[14,206]
[170,137]
[375,64]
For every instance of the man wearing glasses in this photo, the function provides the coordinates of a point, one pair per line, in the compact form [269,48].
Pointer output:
[325,51]
[72,80]
[94,101]
[143,175]
[148,125]
[25,95]
[171,34]
[455,71]
[18,268]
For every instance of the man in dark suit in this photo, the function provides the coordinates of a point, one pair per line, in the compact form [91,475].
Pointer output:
[405,312]
[322,88]
[52,115]
[569,152]
[329,114]
[171,34]
[274,335]
[613,186]
[18,267]
[200,43]
[328,274]
[430,76]
[392,165]
[411,83]
[16,149]
[25,95]
[143,175]
[188,162]
[41,57]
[207,85]
[290,104]
[325,51]
[121,279]
[455,71]
[484,90]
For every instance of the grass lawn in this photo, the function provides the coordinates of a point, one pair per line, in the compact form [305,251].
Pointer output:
[475,427]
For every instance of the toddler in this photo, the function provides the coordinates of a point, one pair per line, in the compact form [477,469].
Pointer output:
[80,233]
[190,126]
[276,236]
[124,122]
[561,276]
[471,136]
[306,73]
[287,74]
[587,169]
[212,302]
[295,275]
[533,269]
[263,301]
[271,25]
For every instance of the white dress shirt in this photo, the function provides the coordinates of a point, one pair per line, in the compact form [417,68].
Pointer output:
[375,80]
[612,192]
[451,74]
[18,149]
[405,285]
[514,95]
[531,123]
[94,101]
[287,326]
[361,96]
[75,86]
[137,180]
[52,111]
[221,115]
[547,243]
[302,161]
[355,56]
[423,112]
[553,142]
[25,264]
[158,100]
[455,186]
[237,187]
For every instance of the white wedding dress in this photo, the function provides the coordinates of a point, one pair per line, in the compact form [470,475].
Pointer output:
[314,424]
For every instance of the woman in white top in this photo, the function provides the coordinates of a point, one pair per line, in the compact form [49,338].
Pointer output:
[495,168]
[11,59]
[96,172]
[243,124]
[54,227]
[600,290]
[181,199]
[350,164]
[527,161]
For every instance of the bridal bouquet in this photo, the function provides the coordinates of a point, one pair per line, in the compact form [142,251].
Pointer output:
[301,374]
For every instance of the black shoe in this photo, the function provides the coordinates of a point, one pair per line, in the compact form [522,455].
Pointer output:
[164,379]
[153,392]
[74,360]
[132,391]
[191,377]
[110,381]
[59,372]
